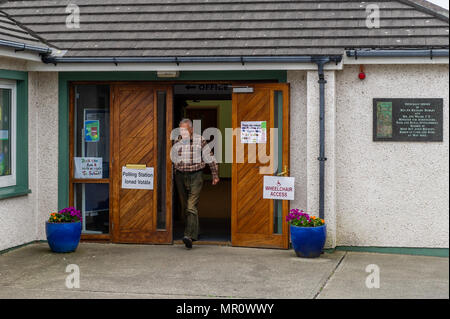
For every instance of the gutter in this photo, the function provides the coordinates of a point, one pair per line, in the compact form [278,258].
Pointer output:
[25,47]
[415,53]
[207,59]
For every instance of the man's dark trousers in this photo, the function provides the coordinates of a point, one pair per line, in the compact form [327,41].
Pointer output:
[189,186]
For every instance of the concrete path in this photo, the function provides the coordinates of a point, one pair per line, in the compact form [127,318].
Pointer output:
[147,271]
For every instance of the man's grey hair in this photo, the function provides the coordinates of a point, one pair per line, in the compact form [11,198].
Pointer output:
[188,121]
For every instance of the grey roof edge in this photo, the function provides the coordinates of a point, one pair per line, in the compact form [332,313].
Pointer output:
[28,30]
[428,7]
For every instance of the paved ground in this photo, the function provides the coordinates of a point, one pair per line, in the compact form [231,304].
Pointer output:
[147,271]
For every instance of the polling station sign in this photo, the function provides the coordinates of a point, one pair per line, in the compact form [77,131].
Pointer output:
[136,178]
[276,187]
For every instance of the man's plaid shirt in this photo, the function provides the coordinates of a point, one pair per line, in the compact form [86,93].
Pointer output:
[190,157]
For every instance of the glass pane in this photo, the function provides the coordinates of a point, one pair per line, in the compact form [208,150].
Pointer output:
[93,202]
[5,132]
[161,217]
[278,123]
[91,140]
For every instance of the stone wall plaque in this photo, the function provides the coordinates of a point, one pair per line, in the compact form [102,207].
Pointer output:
[408,120]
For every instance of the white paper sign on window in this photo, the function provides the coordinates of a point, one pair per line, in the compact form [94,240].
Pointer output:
[253,132]
[133,178]
[88,167]
[276,187]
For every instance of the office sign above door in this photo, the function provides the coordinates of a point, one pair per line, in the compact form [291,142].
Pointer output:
[276,187]
[202,88]
[137,178]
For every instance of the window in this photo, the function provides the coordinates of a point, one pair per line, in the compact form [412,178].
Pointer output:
[7,133]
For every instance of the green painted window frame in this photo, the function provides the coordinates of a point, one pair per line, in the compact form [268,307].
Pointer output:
[21,188]
[64,79]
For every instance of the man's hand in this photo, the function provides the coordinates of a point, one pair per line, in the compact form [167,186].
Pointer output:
[215,180]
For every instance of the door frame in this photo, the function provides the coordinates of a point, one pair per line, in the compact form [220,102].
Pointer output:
[169,109]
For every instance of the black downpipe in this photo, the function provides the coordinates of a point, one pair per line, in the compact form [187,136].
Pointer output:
[322,158]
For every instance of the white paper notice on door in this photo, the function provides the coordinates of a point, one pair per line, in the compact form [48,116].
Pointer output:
[88,167]
[254,132]
[276,187]
[134,178]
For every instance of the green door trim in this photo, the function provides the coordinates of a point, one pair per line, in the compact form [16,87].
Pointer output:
[64,78]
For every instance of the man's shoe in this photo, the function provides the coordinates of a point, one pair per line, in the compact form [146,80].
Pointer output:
[188,242]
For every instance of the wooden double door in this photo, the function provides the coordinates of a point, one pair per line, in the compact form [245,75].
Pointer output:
[142,124]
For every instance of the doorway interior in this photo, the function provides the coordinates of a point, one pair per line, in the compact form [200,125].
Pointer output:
[211,104]
[142,115]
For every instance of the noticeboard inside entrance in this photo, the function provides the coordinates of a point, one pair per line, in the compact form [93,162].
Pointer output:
[408,120]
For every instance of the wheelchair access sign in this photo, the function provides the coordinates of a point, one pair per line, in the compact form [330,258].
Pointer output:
[276,187]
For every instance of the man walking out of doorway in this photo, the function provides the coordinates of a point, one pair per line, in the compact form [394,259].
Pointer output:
[189,176]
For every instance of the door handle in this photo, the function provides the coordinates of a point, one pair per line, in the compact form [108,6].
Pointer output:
[285,172]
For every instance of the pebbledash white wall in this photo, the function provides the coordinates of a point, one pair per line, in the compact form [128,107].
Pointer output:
[22,218]
[386,194]
[17,215]
[390,193]
[44,101]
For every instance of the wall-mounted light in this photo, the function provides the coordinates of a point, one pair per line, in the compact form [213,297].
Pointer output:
[362,74]
[167,74]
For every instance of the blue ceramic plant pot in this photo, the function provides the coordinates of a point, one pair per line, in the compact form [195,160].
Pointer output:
[308,242]
[63,237]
